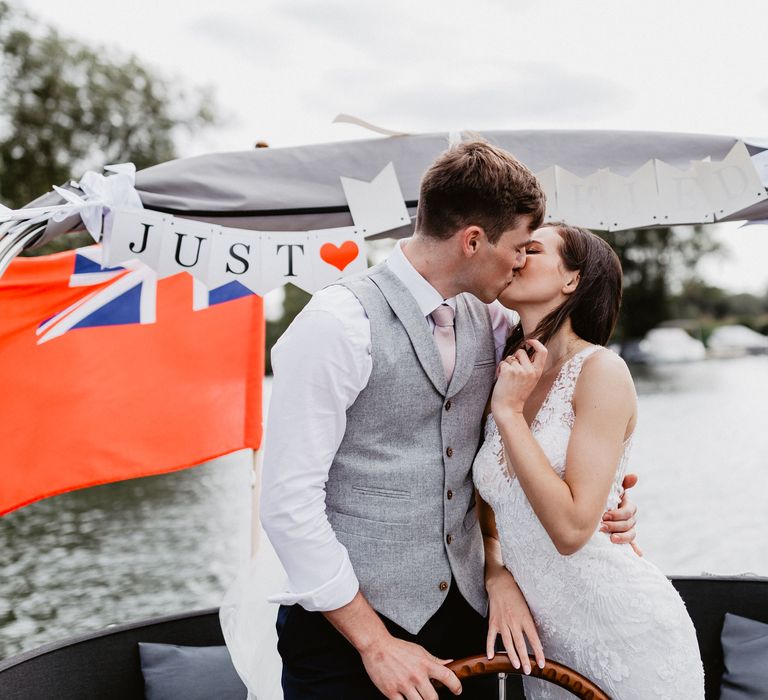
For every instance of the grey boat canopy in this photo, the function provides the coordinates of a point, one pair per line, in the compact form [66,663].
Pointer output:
[298,188]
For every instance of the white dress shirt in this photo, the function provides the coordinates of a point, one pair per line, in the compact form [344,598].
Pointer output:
[321,363]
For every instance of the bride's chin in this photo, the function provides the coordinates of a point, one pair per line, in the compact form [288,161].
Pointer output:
[511,302]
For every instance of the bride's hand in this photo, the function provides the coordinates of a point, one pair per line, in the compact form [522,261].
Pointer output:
[510,617]
[518,375]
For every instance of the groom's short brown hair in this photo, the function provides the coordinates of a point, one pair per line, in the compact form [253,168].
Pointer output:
[477,183]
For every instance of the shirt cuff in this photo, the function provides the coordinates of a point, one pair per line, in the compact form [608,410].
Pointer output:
[333,594]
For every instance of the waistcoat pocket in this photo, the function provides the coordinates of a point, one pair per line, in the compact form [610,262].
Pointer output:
[401,494]
[371,529]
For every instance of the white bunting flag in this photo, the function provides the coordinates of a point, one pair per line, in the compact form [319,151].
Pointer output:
[548,183]
[285,258]
[732,184]
[336,253]
[579,200]
[186,248]
[760,161]
[631,201]
[681,197]
[236,257]
[136,234]
[378,205]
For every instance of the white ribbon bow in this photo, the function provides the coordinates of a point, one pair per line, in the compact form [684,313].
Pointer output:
[101,195]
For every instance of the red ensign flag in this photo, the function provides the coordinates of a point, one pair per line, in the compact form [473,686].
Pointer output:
[110,374]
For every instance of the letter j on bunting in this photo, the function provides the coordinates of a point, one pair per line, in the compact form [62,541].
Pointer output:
[109,374]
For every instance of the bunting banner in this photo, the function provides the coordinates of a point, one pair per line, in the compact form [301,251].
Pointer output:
[217,255]
[258,260]
[657,194]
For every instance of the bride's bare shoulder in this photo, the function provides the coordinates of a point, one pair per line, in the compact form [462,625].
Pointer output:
[605,372]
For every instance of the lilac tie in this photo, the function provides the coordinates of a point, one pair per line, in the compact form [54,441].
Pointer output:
[445,337]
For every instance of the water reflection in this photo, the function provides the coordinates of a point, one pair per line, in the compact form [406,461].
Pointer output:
[122,551]
[169,543]
[702,453]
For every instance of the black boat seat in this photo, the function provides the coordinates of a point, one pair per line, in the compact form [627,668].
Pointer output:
[708,598]
[105,664]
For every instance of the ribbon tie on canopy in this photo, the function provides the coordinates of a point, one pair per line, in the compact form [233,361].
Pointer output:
[100,195]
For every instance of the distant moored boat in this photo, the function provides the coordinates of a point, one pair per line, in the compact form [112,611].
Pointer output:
[736,341]
[664,345]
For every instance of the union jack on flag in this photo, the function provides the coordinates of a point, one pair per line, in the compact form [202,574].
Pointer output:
[130,298]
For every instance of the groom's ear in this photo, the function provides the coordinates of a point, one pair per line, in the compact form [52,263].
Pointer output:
[471,239]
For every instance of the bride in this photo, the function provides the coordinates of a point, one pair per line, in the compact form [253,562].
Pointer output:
[556,448]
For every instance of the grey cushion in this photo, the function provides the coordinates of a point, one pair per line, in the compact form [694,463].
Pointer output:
[189,673]
[745,652]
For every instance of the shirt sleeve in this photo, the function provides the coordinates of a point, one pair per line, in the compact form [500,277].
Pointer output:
[503,320]
[320,365]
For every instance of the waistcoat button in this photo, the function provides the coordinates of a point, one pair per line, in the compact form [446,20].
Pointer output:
[449,451]
[448,405]
[449,495]
[448,539]
[443,586]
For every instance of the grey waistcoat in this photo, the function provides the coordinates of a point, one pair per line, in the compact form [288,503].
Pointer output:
[399,494]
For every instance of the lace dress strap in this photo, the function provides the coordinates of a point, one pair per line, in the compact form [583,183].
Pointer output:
[569,374]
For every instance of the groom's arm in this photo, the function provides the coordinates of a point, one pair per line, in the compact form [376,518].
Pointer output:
[620,522]
[319,369]
[321,363]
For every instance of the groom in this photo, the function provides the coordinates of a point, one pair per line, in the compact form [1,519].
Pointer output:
[377,401]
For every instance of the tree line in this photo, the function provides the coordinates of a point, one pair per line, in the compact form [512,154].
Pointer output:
[66,107]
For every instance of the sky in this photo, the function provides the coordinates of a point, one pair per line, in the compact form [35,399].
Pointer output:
[282,69]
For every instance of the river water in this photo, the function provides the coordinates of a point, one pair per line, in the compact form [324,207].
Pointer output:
[170,543]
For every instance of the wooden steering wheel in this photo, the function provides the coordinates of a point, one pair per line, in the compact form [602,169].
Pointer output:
[553,672]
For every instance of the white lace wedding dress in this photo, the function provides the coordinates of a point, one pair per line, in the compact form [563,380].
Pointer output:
[604,611]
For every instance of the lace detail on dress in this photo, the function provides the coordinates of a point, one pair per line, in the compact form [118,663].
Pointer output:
[603,610]
[558,401]
[493,439]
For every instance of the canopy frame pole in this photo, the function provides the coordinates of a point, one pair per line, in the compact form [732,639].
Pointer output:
[13,242]
[258,456]
[502,686]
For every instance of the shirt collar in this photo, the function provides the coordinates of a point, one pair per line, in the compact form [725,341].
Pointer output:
[426,296]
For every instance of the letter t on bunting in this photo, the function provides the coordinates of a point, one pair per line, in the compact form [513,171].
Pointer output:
[285,258]
[378,205]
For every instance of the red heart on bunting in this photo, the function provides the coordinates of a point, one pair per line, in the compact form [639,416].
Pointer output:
[339,256]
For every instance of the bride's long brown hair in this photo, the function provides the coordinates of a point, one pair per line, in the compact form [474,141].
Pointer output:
[594,305]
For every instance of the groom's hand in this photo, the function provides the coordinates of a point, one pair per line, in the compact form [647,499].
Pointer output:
[400,669]
[620,522]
